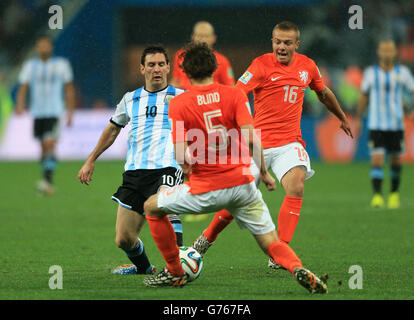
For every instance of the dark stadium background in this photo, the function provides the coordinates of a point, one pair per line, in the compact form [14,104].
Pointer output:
[103,40]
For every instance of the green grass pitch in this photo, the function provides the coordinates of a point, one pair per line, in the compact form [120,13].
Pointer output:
[75,229]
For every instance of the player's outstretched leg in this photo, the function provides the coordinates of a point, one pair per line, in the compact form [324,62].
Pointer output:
[165,239]
[128,227]
[283,255]
[220,221]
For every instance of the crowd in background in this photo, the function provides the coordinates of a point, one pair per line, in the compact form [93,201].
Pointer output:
[330,40]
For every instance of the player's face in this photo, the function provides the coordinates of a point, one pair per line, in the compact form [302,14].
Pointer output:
[284,43]
[44,48]
[387,51]
[155,71]
[204,34]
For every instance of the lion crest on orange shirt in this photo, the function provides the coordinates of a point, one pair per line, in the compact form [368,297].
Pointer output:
[303,76]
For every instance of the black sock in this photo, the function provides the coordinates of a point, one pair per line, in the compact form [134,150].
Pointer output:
[49,165]
[138,257]
[178,228]
[395,177]
[377,175]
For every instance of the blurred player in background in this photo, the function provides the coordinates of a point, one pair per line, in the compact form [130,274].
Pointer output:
[49,80]
[382,86]
[203,32]
[278,81]
[217,179]
[150,161]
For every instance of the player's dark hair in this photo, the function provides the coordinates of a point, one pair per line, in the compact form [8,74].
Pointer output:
[287,26]
[199,61]
[152,49]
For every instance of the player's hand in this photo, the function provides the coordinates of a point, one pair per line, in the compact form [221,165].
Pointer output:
[85,173]
[346,128]
[357,127]
[268,181]
[186,169]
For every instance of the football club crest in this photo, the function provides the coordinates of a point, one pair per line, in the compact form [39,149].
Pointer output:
[303,76]
[168,98]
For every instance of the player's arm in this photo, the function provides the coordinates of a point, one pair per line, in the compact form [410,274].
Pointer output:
[21,98]
[70,101]
[327,97]
[107,138]
[256,150]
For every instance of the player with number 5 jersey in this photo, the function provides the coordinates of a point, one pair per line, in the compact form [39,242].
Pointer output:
[278,81]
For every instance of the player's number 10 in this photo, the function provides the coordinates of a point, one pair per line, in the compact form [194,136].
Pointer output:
[290,93]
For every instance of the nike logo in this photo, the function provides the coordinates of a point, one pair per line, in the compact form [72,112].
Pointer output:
[296,214]
[274,79]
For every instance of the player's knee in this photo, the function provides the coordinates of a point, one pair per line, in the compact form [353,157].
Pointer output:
[124,242]
[296,187]
[151,207]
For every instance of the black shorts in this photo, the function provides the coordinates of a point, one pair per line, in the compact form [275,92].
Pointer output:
[138,185]
[46,128]
[390,141]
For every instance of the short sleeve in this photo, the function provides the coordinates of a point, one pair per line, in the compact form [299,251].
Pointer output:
[67,72]
[178,131]
[242,108]
[316,83]
[252,78]
[25,73]
[366,80]
[120,118]
[408,79]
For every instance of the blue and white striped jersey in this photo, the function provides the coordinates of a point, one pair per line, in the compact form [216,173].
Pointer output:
[46,80]
[149,139]
[385,89]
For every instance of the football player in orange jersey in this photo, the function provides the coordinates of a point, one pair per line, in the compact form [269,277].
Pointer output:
[278,81]
[218,177]
[203,32]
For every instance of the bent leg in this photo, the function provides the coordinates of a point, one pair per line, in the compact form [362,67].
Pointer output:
[128,227]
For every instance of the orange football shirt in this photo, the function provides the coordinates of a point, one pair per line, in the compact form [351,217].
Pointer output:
[223,74]
[209,119]
[278,92]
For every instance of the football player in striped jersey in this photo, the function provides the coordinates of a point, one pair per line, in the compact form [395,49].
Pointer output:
[150,161]
[382,89]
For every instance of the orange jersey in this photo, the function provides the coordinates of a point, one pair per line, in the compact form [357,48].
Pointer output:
[278,96]
[209,119]
[223,74]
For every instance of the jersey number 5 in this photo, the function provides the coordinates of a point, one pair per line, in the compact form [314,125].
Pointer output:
[218,129]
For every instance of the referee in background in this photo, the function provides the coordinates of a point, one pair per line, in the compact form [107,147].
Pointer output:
[48,80]
[382,87]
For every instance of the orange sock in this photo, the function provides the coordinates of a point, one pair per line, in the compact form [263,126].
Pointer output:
[164,236]
[284,255]
[219,222]
[288,218]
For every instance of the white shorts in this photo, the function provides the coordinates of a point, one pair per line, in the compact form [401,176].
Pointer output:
[244,202]
[282,159]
